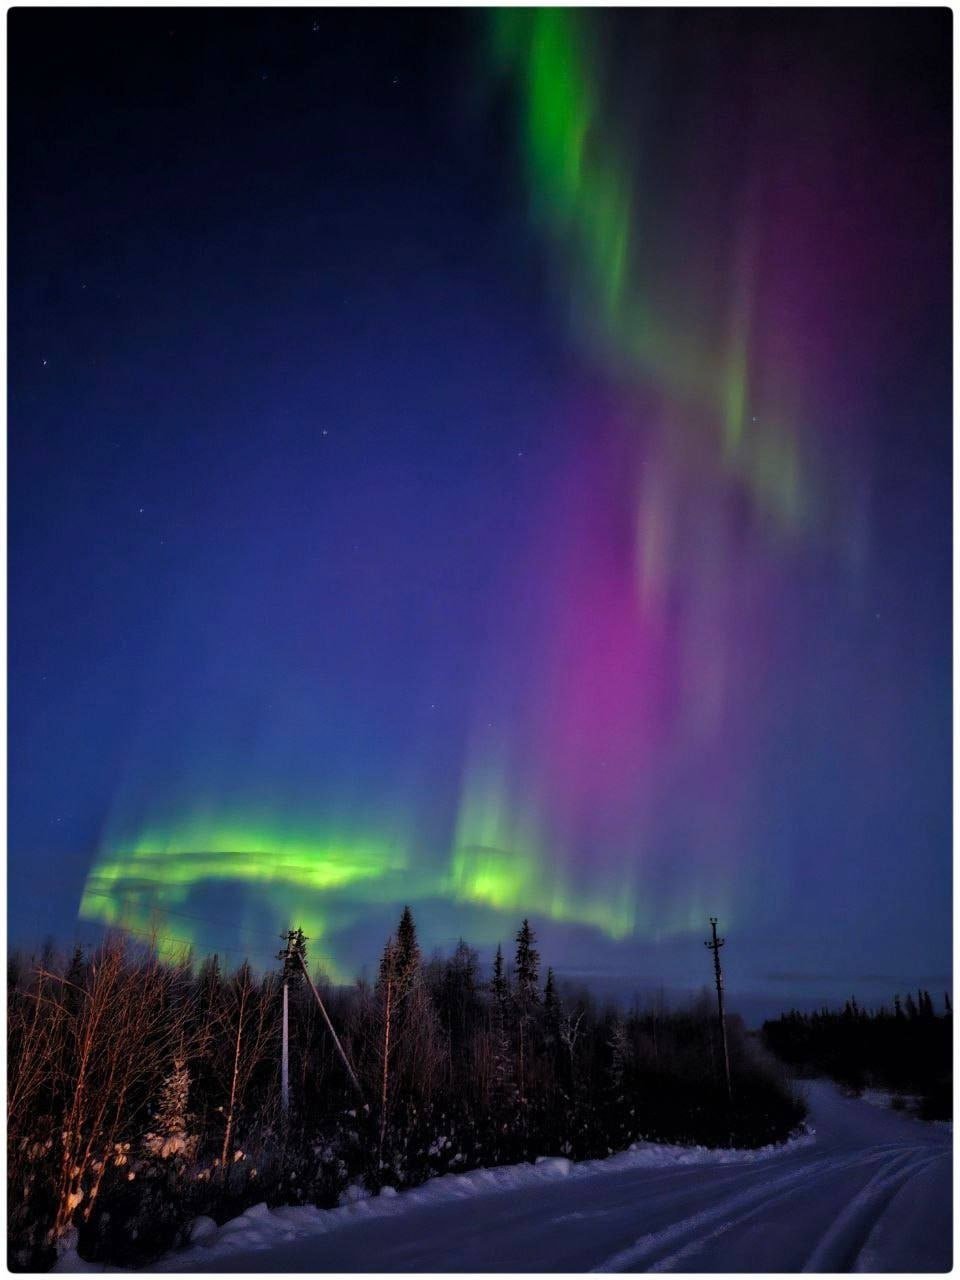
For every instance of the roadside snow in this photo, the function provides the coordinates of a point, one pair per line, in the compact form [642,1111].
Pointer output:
[202,1228]
[262,1228]
[67,1257]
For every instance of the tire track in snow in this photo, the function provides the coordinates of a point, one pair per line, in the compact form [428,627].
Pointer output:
[656,1250]
[697,1245]
[846,1237]
[871,1255]
[694,1247]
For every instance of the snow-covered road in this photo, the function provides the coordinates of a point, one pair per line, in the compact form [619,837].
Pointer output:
[872,1193]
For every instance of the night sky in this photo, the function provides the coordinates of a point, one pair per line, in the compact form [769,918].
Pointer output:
[493,461]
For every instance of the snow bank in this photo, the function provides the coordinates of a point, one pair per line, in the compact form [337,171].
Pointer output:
[201,1229]
[67,1257]
[262,1228]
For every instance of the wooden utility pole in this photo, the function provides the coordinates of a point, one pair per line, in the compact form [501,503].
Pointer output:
[285,1059]
[292,952]
[714,944]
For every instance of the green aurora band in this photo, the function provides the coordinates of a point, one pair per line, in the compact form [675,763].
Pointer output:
[583,194]
[324,884]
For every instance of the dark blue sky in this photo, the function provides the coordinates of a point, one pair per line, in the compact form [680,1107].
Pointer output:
[312,468]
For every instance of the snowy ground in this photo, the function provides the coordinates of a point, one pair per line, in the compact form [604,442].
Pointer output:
[872,1192]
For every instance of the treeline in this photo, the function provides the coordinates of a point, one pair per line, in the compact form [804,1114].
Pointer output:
[906,1049]
[144,1094]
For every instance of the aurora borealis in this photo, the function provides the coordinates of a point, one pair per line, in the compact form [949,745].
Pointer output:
[491,460]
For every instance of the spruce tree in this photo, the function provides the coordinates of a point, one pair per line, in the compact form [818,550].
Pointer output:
[407,950]
[528,967]
[527,995]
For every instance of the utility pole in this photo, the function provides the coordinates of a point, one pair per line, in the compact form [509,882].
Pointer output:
[285,1063]
[714,944]
[290,955]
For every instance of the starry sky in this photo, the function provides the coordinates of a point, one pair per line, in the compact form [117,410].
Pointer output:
[492,460]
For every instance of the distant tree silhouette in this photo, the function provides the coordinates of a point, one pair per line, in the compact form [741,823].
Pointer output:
[907,1050]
